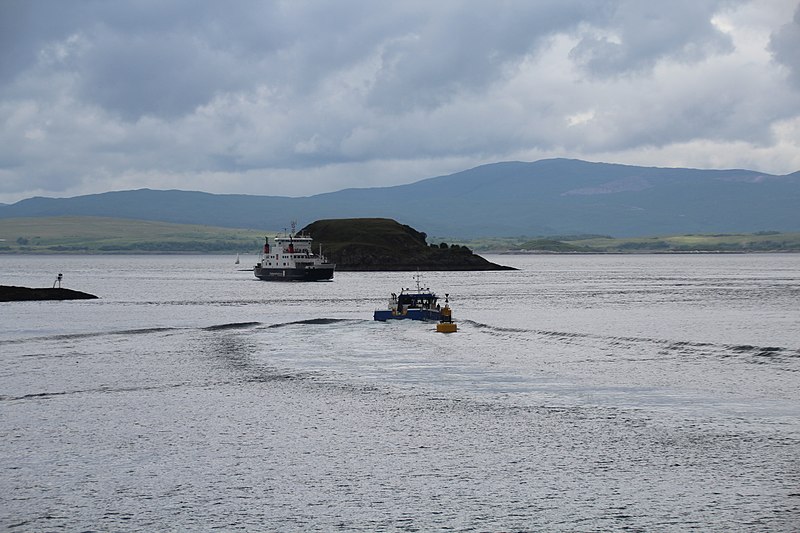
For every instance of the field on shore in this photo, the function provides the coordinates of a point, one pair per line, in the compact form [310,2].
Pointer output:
[762,241]
[116,235]
[97,235]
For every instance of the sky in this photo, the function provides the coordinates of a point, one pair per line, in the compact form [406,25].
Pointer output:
[295,98]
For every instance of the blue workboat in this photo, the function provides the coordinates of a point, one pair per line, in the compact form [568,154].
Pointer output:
[412,304]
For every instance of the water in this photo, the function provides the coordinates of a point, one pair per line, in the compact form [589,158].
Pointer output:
[581,393]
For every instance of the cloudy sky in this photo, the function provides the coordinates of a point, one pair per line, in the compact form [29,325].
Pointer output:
[298,97]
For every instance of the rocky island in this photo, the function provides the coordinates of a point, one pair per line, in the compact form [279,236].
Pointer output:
[382,244]
[10,293]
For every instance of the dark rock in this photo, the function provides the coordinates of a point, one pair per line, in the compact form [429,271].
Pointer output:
[382,244]
[10,293]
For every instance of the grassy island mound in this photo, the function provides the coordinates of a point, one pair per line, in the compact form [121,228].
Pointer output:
[9,293]
[382,244]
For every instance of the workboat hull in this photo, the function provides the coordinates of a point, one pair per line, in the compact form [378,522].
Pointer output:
[382,315]
[294,274]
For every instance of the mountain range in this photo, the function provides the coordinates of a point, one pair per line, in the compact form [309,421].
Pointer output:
[547,197]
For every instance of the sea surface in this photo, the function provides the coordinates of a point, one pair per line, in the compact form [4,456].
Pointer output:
[581,393]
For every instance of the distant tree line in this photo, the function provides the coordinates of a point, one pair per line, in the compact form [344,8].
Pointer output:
[454,247]
[176,246]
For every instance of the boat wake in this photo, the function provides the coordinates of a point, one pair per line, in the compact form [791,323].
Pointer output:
[757,354]
[314,321]
[92,391]
[146,331]
[89,335]
[232,325]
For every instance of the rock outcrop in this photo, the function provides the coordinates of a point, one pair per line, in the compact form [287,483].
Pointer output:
[382,244]
[10,293]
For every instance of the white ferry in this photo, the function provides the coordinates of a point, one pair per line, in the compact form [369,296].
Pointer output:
[291,259]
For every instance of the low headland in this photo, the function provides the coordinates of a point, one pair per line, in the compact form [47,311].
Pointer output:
[10,293]
[382,244]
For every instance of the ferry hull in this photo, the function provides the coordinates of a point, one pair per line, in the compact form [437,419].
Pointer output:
[294,274]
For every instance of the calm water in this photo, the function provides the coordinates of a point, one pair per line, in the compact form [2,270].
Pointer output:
[586,393]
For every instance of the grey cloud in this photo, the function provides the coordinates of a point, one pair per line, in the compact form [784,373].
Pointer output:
[14,55]
[25,26]
[467,48]
[167,58]
[785,47]
[146,57]
[164,75]
[643,33]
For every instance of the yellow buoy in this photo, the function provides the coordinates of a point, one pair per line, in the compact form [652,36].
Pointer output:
[446,324]
[446,327]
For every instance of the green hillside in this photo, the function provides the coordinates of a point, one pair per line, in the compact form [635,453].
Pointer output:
[117,235]
[763,241]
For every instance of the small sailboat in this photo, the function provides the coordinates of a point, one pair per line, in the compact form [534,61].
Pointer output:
[237,260]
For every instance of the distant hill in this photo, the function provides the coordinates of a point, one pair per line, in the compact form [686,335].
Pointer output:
[380,244]
[544,198]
